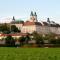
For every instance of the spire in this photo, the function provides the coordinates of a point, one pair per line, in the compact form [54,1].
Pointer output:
[48,20]
[13,18]
[35,14]
[31,13]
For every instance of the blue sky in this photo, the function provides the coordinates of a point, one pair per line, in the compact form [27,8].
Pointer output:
[22,9]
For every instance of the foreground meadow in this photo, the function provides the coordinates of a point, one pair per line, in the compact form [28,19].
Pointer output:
[29,53]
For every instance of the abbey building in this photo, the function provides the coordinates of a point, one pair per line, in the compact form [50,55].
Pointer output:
[32,25]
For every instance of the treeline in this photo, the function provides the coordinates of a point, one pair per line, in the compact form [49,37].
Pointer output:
[33,40]
[14,42]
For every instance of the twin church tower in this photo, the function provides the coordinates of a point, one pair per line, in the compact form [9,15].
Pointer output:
[33,17]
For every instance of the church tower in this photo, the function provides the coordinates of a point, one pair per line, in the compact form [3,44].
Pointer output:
[13,19]
[33,17]
[48,20]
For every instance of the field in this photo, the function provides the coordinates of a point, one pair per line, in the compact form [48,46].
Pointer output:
[29,53]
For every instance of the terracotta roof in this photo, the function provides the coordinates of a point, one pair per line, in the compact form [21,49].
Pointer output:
[32,23]
[20,34]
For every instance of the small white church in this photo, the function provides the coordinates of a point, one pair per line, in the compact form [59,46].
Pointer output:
[32,25]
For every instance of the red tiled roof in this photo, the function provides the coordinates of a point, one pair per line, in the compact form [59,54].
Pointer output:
[20,34]
[32,23]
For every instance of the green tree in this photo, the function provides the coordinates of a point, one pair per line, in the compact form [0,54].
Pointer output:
[27,38]
[22,40]
[9,40]
[14,28]
[38,38]
[4,28]
[58,41]
[53,41]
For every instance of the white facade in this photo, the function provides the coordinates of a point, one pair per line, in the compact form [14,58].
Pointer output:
[28,29]
[40,27]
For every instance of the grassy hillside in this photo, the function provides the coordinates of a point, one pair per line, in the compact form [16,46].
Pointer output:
[29,53]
